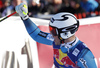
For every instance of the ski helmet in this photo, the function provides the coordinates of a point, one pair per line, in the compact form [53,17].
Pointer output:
[63,25]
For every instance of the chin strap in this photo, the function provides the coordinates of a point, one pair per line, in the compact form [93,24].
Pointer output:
[61,40]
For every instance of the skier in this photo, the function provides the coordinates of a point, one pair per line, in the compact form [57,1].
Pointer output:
[69,51]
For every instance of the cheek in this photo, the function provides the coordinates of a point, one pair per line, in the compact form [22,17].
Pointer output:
[57,42]
[56,39]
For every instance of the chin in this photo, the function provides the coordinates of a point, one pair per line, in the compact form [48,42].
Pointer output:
[57,43]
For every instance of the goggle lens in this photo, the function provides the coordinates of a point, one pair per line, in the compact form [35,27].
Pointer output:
[53,30]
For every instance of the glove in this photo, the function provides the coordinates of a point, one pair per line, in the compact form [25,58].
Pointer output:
[22,11]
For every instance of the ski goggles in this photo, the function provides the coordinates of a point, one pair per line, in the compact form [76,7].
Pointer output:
[53,30]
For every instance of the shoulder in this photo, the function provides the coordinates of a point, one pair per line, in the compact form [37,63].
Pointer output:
[81,45]
[84,50]
[86,58]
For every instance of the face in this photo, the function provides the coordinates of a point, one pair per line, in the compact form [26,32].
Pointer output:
[54,34]
[56,40]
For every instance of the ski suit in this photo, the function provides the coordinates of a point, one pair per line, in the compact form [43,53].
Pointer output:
[74,54]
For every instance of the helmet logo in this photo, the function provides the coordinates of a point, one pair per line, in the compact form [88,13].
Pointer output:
[52,20]
[63,18]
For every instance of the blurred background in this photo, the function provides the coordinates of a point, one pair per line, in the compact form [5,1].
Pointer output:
[46,8]
[19,50]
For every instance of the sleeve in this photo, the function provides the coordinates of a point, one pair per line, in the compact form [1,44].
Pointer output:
[37,34]
[87,61]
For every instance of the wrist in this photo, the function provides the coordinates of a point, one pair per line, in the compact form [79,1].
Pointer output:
[24,17]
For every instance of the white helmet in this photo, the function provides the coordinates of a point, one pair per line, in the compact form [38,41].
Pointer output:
[64,25]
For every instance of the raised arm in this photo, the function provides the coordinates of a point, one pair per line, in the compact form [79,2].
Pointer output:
[32,29]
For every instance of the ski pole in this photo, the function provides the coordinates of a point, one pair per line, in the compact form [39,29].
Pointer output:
[7,16]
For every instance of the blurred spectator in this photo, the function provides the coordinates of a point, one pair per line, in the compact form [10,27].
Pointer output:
[76,7]
[65,7]
[53,6]
[5,3]
[78,1]
[1,5]
[10,7]
[35,8]
[50,6]
[71,6]
[98,8]
[97,0]
[89,5]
